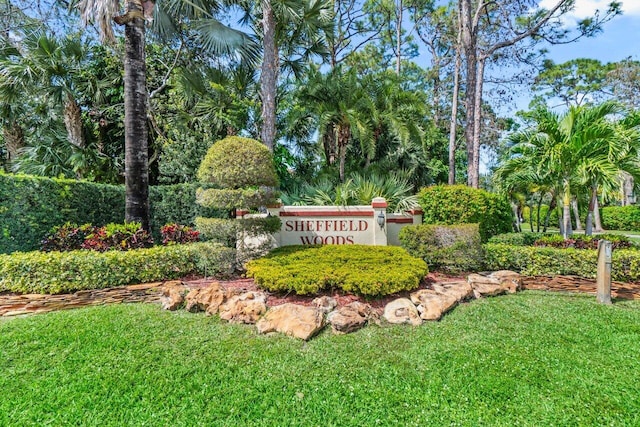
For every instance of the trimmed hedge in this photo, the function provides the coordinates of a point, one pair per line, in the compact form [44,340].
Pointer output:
[367,270]
[517,239]
[535,261]
[61,272]
[459,204]
[626,218]
[452,248]
[31,206]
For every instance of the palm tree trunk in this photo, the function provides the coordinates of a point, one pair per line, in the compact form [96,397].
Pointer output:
[539,207]
[552,206]
[566,211]
[588,228]
[343,139]
[576,213]
[596,216]
[73,122]
[268,75]
[13,139]
[135,120]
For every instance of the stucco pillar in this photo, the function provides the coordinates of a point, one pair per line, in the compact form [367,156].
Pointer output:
[379,205]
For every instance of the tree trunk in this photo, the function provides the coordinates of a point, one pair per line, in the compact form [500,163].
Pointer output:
[13,139]
[135,120]
[588,228]
[539,207]
[454,110]
[477,125]
[552,205]
[269,75]
[566,211]
[469,43]
[73,122]
[576,213]
[516,214]
[398,36]
[344,133]
[596,216]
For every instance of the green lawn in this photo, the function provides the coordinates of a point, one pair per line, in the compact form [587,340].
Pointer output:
[529,359]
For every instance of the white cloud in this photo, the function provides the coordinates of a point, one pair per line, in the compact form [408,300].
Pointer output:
[585,8]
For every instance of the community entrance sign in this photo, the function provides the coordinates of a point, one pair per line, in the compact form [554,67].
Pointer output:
[341,225]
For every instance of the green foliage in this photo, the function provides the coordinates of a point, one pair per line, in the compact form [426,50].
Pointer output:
[452,248]
[516,239]
[459,204]
[367,270]
[31,206]
[235,162]
[534,261]
[625,218]
[579,241]
[235,198]
[60,272]
[225,231]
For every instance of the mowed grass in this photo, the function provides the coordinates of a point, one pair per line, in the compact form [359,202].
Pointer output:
[528,359]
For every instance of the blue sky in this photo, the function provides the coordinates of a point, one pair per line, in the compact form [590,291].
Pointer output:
[620,39]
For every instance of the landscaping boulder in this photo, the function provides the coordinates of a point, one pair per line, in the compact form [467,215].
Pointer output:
[291,319]
[461,289]
[402,311]
[350,317]
[172,295]
[497,283]
[205,299]
[432,304]
[325,303]
[244,308]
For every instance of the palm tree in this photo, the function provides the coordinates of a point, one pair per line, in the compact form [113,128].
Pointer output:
[169,18]
[291,31]
[581,146]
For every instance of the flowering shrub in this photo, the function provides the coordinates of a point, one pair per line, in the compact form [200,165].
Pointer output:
[122,237]
[175,233]
[67,237]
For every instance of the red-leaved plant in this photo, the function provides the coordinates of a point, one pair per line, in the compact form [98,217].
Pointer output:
[173,234]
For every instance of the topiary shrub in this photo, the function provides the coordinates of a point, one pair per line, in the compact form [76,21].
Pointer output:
[60,272]
[243,174]
[459,204]
[367,270]
[236,162]
[451,248]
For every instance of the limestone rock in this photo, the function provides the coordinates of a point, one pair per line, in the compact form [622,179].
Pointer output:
[510,280]
[243,308]
[432,304]
[350,317]
[462,290]
[325,303]
[205,299]
[291,319]
[496,283]
[173,295]
[402,310]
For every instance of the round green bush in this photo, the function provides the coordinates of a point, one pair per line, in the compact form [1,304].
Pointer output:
[366,270]
[459,204]
[235,162]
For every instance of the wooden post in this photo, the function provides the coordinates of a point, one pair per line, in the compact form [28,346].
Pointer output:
[603,295]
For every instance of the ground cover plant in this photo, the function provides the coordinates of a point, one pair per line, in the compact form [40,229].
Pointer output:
[367,270]
[528,359]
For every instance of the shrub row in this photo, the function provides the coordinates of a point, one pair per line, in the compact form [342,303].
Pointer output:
[451,248]
[625,218]
[367,270]
[459,204]
[61,272]
[579,241]
[535,261]
[31,206]
[517,239]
